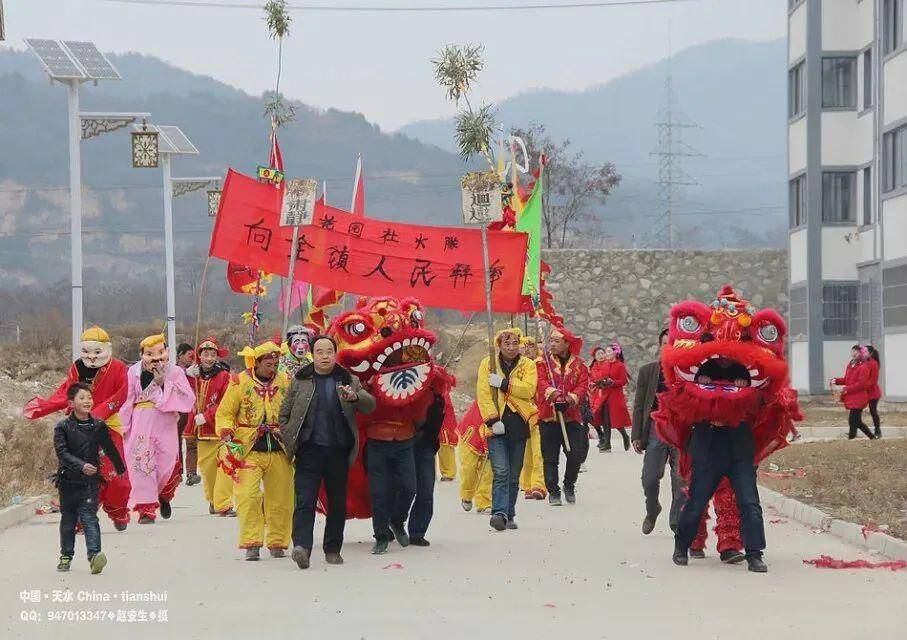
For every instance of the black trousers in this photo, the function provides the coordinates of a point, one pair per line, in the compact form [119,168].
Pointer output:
[855,421]
[79,503]
[874,412]
[314,464]
[552,443]
[392,482]
[721,462]
[423,504]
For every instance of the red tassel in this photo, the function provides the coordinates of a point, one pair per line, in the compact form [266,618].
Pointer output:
[827,562]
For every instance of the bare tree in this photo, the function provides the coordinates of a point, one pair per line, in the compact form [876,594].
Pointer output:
[574,187]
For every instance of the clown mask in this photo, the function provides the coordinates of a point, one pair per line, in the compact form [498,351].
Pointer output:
[299,346]
[155,357]
[96,354]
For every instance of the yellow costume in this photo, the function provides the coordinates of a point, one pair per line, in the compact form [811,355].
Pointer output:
[248,413]
[475,470]
[447,461]
[532,477]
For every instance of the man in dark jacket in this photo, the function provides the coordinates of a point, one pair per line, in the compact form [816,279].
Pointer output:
[319,433]
[77,440]
[657,453]
[717,451]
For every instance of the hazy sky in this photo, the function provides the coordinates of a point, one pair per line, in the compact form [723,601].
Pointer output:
[378,63]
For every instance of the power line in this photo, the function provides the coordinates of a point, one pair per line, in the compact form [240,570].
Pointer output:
[405,9]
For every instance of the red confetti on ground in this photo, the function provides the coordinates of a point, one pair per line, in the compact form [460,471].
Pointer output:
[395,565]
[778,521]
[827,562]
[793,473]
[872,527]
[548,605]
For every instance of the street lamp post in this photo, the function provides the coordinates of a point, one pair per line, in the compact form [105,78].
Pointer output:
[73,63]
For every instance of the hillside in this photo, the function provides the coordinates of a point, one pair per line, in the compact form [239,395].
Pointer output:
[735,90]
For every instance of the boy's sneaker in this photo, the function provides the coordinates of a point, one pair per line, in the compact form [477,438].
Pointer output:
[64,564]
[97,562]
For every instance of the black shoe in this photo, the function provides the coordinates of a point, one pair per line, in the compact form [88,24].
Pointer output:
[165,508]
[400,535]
[380,547]
[511,524]
[253,554]
[570,495]
[554,500]
[193,479]
[680,557]
[277,552]
[756,565]
[65,563]
[878,434]
[301,556]
[499,522]
[673,528]
[648,523]
[333,557]
[211,509]
[626,438]
[419,542]
[602,446]
[146,520]
[120,526]
[697,554]
[732,556]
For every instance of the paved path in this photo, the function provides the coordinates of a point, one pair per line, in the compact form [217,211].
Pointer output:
[573,572]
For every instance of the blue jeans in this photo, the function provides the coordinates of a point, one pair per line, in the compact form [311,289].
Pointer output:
[506,455]
[423,505]
[392,482]
[79,503]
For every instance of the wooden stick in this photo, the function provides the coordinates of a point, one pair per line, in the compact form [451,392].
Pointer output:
[201,297]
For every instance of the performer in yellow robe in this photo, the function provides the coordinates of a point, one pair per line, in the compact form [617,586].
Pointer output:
[532,477]
[475,469]
[448,439]
[247,422]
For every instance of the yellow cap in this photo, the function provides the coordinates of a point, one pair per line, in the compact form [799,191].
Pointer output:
[250,355]
[152,341]
[95,334]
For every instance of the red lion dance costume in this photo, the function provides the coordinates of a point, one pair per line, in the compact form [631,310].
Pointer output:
[709,348]
[384,342]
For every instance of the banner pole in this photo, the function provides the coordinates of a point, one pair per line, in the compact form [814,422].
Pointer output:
[488,307]
[291,281]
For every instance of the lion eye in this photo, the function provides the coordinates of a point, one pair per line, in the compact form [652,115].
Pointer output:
[416,318]
[356,328]
[768,332]
[688,324]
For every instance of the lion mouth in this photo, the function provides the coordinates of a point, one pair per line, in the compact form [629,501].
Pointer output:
[718,373]
[402,368]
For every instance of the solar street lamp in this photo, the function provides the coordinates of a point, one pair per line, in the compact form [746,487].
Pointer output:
[73,63]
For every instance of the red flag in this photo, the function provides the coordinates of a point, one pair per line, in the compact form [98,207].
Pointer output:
[242,279]
[275,158]
[358,205]
[442,266]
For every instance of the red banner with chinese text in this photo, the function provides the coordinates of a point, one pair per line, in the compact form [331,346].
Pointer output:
[441,266]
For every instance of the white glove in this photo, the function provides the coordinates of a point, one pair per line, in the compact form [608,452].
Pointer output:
[498,428]
[192,371]
[200,419]
[495,380]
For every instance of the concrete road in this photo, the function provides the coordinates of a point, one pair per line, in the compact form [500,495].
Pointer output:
[575,572]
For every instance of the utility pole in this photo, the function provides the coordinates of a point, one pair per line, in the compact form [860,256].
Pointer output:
[671,151]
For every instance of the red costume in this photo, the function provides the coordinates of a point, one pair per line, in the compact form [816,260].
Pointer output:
[607,382]
[730,335]
[570,378]
[857,383]
[108,389]
[384,342]
[875,391]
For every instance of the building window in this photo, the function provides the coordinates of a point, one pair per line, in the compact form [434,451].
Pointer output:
[867,79]
[892,24]
[796,103]
[894,159]
[867,196]
[838,196]
[797,202]
[838,82]
[841,309]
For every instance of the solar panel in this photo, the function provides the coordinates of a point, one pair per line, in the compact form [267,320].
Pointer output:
[164,145]
[92,61]
[58,63]
[178,139]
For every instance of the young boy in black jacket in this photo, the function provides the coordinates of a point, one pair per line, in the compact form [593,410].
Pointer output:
[77,439]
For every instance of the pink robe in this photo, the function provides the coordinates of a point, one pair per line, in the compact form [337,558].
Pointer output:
[151,434]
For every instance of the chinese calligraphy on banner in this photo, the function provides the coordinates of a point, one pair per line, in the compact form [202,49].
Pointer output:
[442,266]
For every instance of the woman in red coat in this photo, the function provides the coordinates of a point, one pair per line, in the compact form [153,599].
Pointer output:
[875,391]
[607,378]
[855,394]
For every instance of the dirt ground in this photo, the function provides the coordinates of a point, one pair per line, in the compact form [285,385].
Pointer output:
[859,481]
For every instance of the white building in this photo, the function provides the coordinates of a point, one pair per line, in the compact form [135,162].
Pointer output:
[847,160]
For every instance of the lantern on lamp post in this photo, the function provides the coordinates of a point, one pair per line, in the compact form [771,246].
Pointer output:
[214,202]
[145,150]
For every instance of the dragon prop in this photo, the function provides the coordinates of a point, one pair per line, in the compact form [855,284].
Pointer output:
[384,342]
[724,363]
